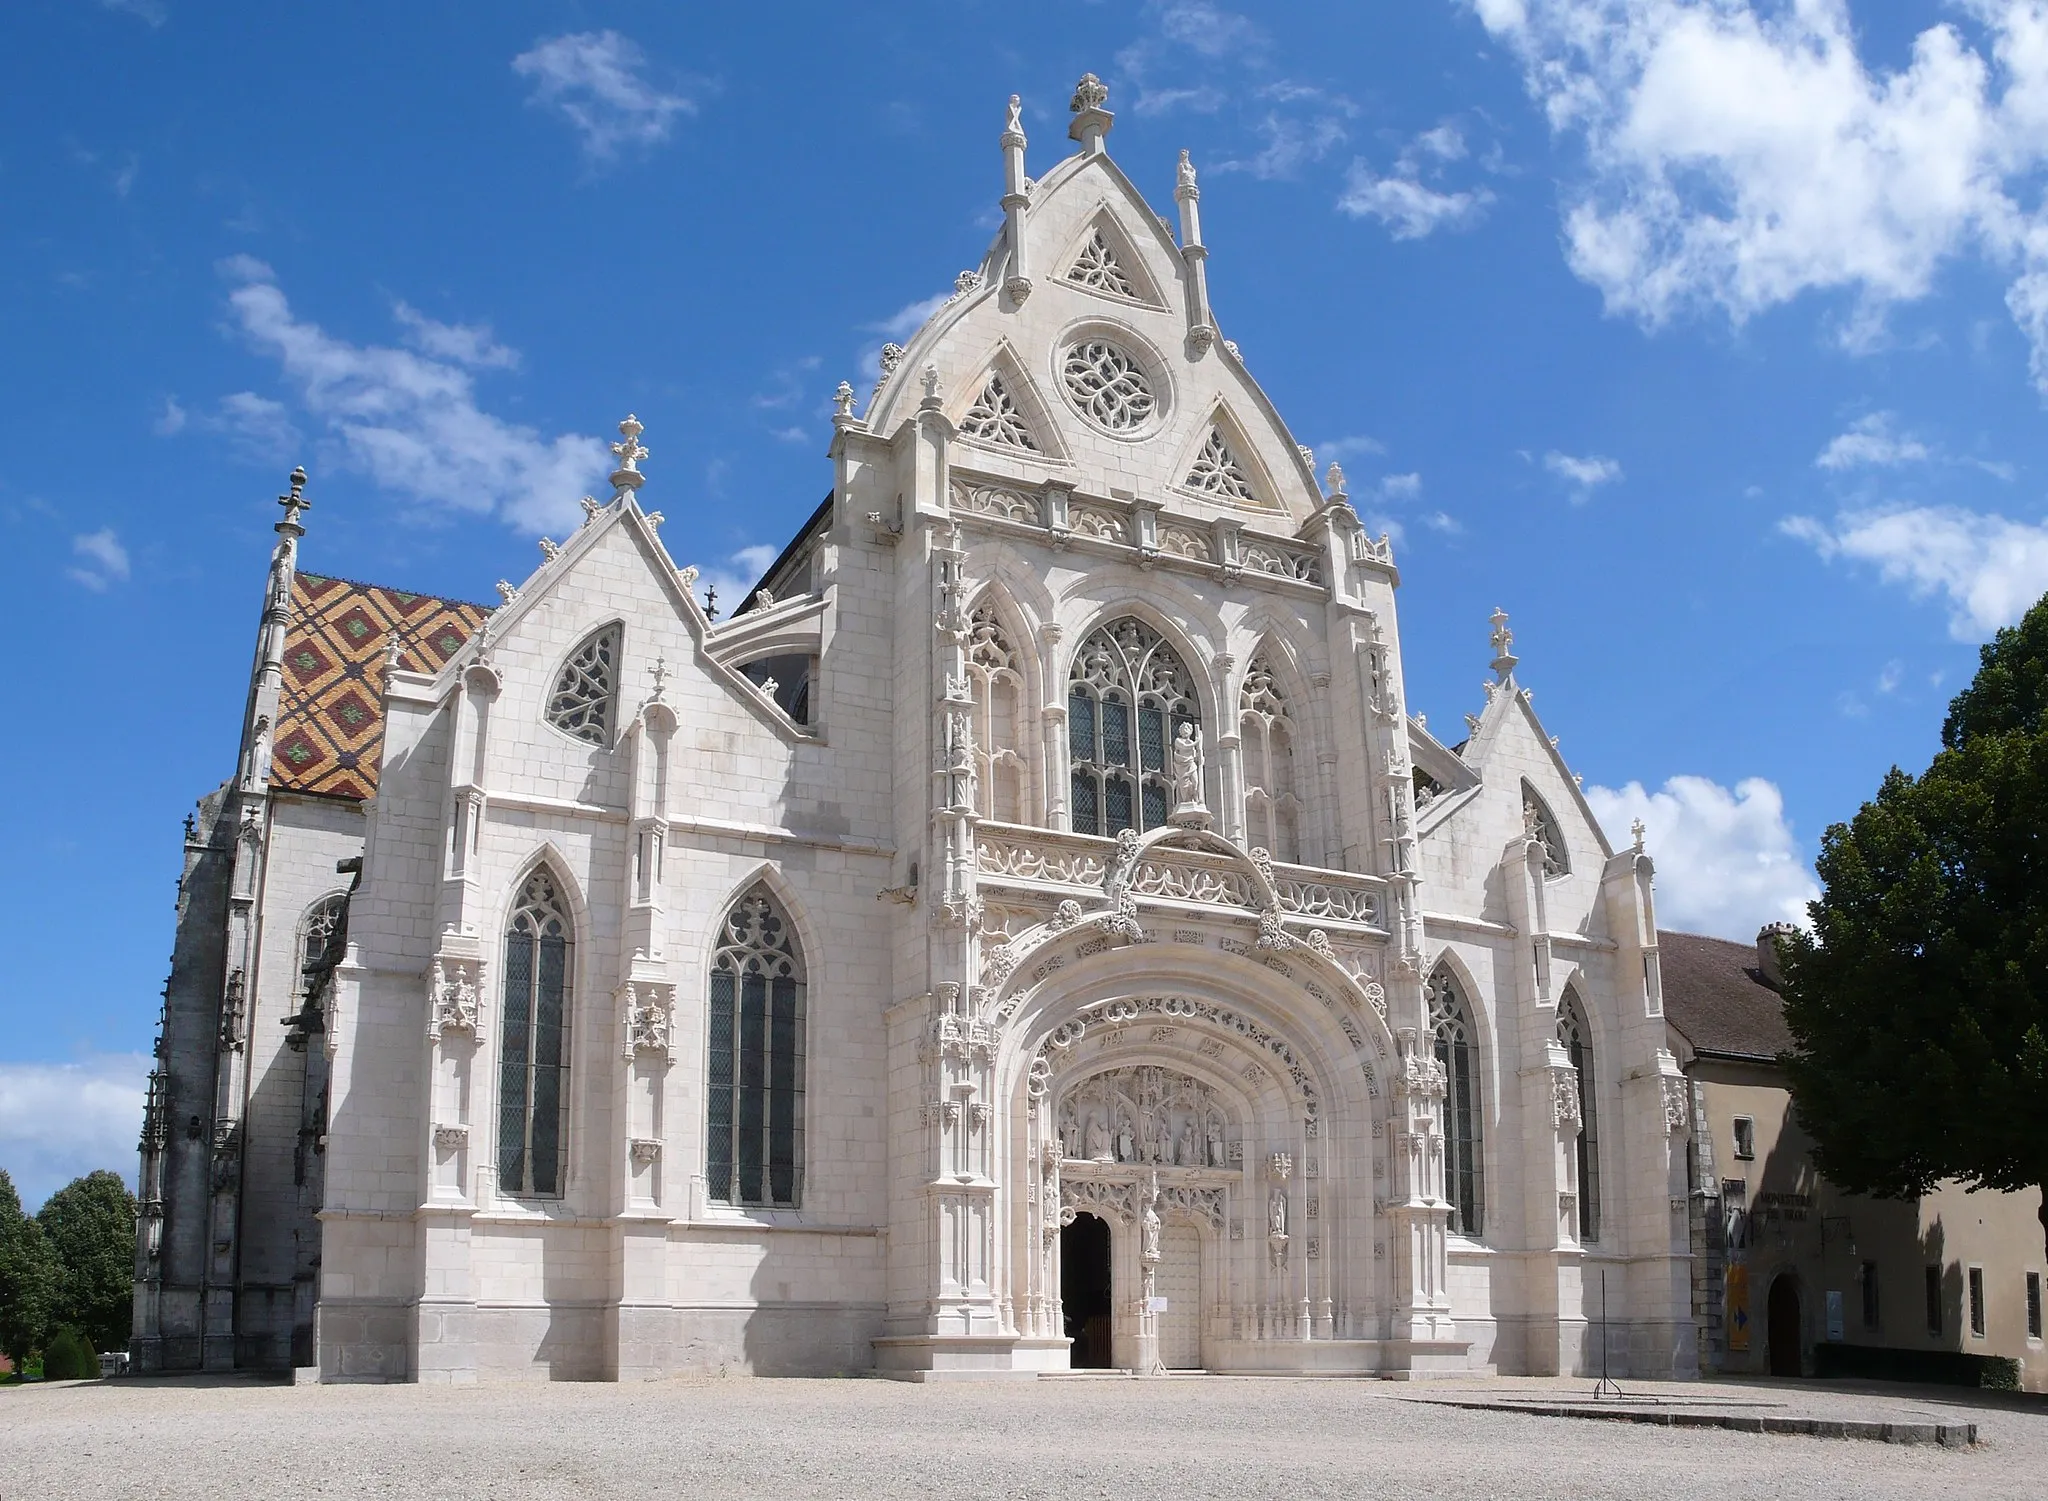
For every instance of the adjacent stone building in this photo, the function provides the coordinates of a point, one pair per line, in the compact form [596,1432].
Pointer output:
[1031,930]
[1793,1276]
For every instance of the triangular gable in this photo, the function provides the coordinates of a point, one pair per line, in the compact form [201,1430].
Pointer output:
[1103,259]
[1003,408]
[1507,700]
[1222,465]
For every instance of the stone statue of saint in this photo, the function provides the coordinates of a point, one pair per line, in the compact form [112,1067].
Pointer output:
[1276,1213]
[1190,1152]
[1215,1142]
[1151,1232]
[1184,764]
[1126,1147]
[1098,1139]
[1162,1141]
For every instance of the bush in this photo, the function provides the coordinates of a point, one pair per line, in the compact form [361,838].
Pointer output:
[69,1358]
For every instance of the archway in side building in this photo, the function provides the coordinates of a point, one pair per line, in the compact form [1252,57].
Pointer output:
[1084,1291]
[1783,1326]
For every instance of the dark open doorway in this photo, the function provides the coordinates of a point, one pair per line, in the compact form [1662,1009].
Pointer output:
[1782,1328]
[1084,1291]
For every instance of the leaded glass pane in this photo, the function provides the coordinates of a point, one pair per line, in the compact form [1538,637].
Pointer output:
[1081,726]
[581,704]
[1116,797]
[1087,815]
[1116,733]
[1152,739]
[1154,804]
[754,1079]
[533,1048]
[1450,1028]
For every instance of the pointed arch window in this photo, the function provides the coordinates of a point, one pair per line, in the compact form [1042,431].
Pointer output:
[1272,812]
[586,689]
[754,1084]
[1216,470]
[995,678]
[316,929]
[1450,1026]
[1097,266]
[1128,694]
[1541,827]
[994,418]
[533,1057]
[1577,1039]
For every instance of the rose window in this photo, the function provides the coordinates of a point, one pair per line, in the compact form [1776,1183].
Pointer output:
[1107,386]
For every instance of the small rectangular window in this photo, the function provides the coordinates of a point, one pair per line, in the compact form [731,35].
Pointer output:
[1870,1310]
[2033,1305]
[1934,1298]
[1745,1138]
[1977,1302]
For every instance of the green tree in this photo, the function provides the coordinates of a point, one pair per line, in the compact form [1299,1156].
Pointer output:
[27,1275]
[90,1226]
[1919,1002]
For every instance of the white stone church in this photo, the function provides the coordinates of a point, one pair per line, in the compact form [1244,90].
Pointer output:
[1031,932]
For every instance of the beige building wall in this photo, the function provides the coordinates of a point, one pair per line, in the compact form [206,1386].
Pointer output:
[1784,1221]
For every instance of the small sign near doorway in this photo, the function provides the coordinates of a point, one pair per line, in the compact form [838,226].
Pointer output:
[1155,1305]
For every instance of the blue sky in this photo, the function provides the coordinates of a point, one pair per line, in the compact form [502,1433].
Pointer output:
[1709,340]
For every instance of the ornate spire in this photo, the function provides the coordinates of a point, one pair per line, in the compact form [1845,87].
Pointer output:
[1091,120]
[1503,639]
[295,503]
[1334,483]
[627,476]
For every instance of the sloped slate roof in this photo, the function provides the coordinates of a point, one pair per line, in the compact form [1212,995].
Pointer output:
[1717,998]
[330,716]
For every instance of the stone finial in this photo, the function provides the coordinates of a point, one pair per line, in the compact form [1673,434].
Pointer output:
[1013,124]
[660,671]
[294,501]
[590,508]
[1637,831]
[1091,120]
[507,590]
[842,402]
[627,476]
[1334,483]
[1503,639]
[549,551]
[892,356]
[930,381]
[1184,178]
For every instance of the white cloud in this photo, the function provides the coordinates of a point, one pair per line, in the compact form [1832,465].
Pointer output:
[1408,206]
[59,1121]
[1990,569]
[593,79]
[1871,442]
[1337,450]
[735,575]
[468,344]
[1399,487]
[410,421]
[103,560]
[1888,679]
[1737,156]
[1445,522]
[260,430]
[1727,862]
[1584,475]
[153,12]
[170,420]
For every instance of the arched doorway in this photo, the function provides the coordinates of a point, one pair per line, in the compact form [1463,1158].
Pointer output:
[1084,1291]
[1782,1328]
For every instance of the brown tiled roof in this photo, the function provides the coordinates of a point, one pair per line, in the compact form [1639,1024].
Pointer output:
[1717,998]
[330,717]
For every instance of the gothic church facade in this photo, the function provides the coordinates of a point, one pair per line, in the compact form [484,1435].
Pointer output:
[1030,932]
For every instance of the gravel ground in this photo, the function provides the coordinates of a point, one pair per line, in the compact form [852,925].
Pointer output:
[1076,1437]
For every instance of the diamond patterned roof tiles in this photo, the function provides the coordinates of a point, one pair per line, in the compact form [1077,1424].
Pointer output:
[330,716]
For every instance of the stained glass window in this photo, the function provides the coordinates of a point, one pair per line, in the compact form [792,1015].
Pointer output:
[1542,828]
[581,704]
[533,1048]
[1450,1025]
[754,1075]
[1577,1039]
[1128,694]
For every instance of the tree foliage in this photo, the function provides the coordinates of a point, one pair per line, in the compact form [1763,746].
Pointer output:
[1919,1002]
[69,1357]
[90,1227]
[27,1278]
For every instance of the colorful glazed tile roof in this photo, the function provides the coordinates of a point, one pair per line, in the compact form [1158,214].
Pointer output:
[330,717]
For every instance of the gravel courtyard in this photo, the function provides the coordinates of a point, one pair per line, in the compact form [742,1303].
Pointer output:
[1076,1437]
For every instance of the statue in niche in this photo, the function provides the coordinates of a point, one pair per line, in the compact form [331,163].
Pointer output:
[1162,1140]
[1126,1144]
[1276,1213]
[1150,1225]
[1216,1155]
[1098,1138]
[1185,766]
[1190,1152]
[1070,1134]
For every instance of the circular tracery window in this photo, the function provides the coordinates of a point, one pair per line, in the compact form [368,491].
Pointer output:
[1107,385]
